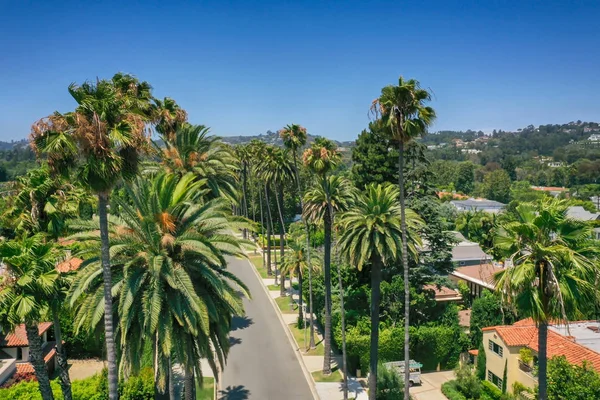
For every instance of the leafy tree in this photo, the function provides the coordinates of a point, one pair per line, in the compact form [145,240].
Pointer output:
[481,362]
[488,310]
[26,291]
[568,381]
[496,186]
[554,269]
[465,178]
[371,234]
[374,157]
[390,386]
[402,108]
[467,382]
[101,141]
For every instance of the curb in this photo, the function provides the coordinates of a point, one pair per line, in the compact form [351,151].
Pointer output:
[307,375]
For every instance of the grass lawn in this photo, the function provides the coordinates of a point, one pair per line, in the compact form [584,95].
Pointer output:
[336,376]
[273,287]
[257,261]
[284,305]
[299,336]
[208,389]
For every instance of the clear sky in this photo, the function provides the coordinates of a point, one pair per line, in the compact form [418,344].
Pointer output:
[246,67]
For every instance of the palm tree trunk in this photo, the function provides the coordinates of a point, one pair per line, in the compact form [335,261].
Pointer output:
[300,301]
[375,298]
[543,361]
[279,200]
[109,334]
[171,381]
[269,230]
[159,393]
[36,359]
[244,197]
[306,228]
[406,274]
[262,225]
[189,385]
[327,282]
[61,356]
[343,316]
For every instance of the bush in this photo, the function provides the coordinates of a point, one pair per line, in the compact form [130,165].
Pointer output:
[467,383]
[390,386]
[491,390]
[481,361]
[451,392]
[140,387]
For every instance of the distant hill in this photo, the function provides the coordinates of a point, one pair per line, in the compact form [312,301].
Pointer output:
[13,144]
[271,137]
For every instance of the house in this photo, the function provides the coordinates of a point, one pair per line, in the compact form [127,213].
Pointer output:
[466,252]
[458,142]
[14,351]
[581,214]
[452,195]
[472,204]
[594,138]
[515,348]
[476,277]
[443,293]
[551,190]
[470,151]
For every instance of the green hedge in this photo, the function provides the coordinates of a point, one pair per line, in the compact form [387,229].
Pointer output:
[491,390]
[451,392]
[139,387]
[429,345]
[275,240]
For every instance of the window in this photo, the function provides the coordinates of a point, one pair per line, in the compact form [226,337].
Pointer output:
[495,347]
[494,379]
[19,353]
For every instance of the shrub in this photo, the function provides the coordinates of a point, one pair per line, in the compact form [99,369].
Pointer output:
[467,382]
[491,390]
[481,360]
[451,392]
[390,386]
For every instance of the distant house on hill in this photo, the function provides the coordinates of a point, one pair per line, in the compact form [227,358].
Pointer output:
[594,138]
[472,204]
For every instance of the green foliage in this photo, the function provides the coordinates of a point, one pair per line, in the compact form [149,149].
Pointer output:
[465,178]
[573,382]
[467,382]
[496,186]
[374,158]
[138,387]
[491,390]
[481,362]
[450,390]
[526,355]
[505,376]
[487,311]
[465,293]
[390,386]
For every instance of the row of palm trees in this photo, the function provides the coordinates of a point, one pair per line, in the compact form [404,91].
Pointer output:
[154,271]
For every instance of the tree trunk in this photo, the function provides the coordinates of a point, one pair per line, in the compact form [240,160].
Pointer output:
[61,357]
[327,283]
[375,298]
[406,274]
[343,316]
[269,230]
[262,225]
[306,228]
[111,351]
[189,385]
[300,301]
[36,358]
[244,198]
[543,361]
[279,200]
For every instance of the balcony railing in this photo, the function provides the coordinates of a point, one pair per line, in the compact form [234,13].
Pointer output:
[528,369]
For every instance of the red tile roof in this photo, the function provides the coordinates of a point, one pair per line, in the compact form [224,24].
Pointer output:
[18,338]
[474,352]
[69,265]
[443,292]
[558,345]
[27,368]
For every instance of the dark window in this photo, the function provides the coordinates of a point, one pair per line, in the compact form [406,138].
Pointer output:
[495,347]
[494,379]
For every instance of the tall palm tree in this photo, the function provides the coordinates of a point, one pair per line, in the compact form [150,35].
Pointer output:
[319,205]
[402,108]
[371,234]
[174,292]
[101,140]
[243,155]
[26,289]
[294,138]
[554,268]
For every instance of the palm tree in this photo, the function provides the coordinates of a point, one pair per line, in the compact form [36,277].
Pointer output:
[101,141]
[27,286]
[243,155]
[173,293]
[402,108]
[192,149]
[320,205]
[294,138]
[371,234]
[554,268]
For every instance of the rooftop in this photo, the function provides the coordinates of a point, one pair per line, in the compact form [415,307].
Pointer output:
[478,203]
[18,338]
[550,188]
[443,293]
[482,274]
[469,251]
[526,335]
[579,213]
[69,265]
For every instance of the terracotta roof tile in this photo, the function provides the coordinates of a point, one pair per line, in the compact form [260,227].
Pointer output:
[558,345]
[69,265]
[25,368]
[18,338]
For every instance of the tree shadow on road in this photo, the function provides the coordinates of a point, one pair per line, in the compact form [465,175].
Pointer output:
[234,393]
[240,323]
[234,340]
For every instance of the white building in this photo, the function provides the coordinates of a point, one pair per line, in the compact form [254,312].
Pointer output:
[472,204]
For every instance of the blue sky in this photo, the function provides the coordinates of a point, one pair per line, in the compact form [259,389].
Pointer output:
[246,67]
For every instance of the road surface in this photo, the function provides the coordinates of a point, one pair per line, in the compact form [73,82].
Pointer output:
[261,363]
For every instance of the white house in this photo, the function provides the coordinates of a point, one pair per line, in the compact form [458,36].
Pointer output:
[472,204]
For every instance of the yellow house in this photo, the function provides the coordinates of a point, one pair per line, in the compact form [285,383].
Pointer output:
[515,348]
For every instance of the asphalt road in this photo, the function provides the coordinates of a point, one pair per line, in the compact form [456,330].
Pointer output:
[261,363]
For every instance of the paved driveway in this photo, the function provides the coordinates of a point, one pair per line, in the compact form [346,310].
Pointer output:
[261,364]
[431,384]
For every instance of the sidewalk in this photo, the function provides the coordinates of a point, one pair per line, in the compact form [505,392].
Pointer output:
[313,363]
